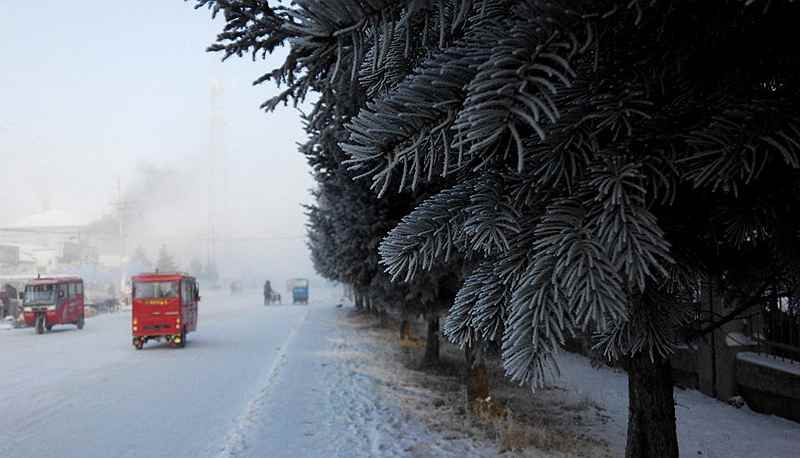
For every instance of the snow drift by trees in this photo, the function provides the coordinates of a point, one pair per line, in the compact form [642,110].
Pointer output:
[599,161]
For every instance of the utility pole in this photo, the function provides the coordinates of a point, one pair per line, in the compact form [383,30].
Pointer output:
[216,153]
[122,206]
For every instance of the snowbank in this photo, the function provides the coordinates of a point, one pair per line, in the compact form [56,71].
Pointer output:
[770,362]
[7,323]
[706,427]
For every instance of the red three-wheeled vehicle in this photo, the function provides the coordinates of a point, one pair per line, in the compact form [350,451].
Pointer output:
[164,307]
[47,302]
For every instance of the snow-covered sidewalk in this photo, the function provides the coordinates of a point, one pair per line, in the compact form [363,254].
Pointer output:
[322,400]
[706,427]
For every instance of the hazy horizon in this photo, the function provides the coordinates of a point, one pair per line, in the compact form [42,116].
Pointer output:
[121,92]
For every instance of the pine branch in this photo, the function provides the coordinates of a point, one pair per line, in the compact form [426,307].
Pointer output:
[512,94]
[734,146]
[623,224]
[427,235]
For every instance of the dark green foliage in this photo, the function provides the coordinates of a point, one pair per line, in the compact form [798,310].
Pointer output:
[587,120]
[594,161]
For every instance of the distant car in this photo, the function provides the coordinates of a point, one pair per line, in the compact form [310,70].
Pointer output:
[236,287]
[299,287]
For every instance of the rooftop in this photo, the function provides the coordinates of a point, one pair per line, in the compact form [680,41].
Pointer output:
[50,219]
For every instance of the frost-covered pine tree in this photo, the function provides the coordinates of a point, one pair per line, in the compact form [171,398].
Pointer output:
[195,267]
[348,221]
[596,158]
[165,263]
[139,261]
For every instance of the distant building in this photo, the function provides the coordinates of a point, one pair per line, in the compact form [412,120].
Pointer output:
[40,242]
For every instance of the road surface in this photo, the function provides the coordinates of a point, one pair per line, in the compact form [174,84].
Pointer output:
[253,381]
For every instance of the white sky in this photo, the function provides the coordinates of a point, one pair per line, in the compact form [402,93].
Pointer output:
[95,91]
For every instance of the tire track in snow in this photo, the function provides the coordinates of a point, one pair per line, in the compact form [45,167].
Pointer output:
[235,442]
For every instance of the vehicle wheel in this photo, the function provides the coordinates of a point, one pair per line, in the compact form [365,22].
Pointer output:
[138,343]
[81,322]
[40,324]
[182,343]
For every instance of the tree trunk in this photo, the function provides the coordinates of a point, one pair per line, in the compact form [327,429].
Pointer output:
[405,328]
[477,377]
[384,319]
[651,409]
[432,341]
[359,300]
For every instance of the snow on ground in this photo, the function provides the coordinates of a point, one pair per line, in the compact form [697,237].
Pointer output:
[279,381]
[324,403]
[253,381]
[535,426]
[92,395]
[706,427]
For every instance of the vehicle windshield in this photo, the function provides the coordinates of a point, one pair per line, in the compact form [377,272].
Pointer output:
[40,294]
[155,290]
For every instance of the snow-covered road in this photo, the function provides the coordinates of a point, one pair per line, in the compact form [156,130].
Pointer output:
[253,381]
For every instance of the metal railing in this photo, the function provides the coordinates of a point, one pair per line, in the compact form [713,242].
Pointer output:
[777,328]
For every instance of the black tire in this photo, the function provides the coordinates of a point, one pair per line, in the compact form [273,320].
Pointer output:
[138,343]
[49,327]
[40,324]
[81,322]
[183,338]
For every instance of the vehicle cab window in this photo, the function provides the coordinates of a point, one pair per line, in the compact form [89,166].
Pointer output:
[39,294]
[186,292]
[155,290]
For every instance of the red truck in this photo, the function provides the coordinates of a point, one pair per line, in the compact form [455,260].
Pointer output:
[164,307]
[51,301]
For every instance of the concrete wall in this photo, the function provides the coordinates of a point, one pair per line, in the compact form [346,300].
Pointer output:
[684,367]
[716,351]
[769,390]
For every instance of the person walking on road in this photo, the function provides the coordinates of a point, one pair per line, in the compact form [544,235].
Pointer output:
[267,292]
